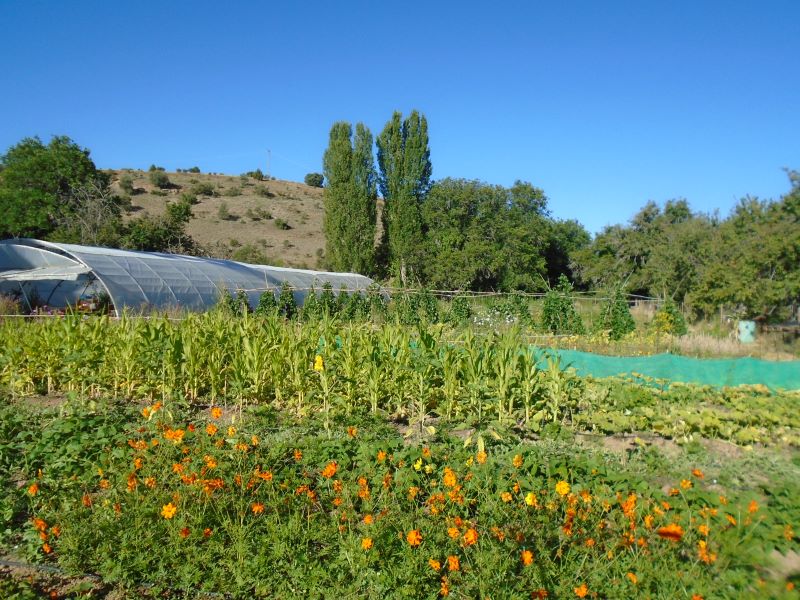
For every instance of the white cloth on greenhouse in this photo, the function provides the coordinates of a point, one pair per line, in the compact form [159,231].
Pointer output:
[152,279]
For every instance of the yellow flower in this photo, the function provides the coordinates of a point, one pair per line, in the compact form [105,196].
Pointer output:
[168,510]
[453,564]
[480,457]
[686,484]
[418,464]
[318,363]
[366,543]
[530,499]
[434,564]
[562,488]
[505,496]
[526,557]
[216,412]
[517,462]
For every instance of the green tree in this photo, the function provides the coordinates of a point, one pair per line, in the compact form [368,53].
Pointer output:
[405,178]
[558,310]
[314,179]
[350,199]
[616,316]
[38,183]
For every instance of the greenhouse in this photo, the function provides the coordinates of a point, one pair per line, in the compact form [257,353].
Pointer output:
[47,274]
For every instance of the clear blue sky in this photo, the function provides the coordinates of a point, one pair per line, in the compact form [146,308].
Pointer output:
[604,105]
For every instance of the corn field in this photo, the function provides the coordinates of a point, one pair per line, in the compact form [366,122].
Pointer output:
[329,366]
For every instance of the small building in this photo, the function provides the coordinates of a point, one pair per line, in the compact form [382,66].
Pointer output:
[40,273]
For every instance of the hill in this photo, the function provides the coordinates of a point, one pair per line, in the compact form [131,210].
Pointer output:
[272,222]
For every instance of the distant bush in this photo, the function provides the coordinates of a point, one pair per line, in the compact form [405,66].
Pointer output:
[160,179]
[233,191]
[190,198]
[314,179]
[126,184]
[154,168]
[257,175]
[203,189]
[193,170]
[281,224]
[669,319]
[223,213]
[558,310]
[263,192]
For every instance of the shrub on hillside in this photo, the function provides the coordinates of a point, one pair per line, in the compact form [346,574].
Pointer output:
[160,179]
[126,184]
[314,179]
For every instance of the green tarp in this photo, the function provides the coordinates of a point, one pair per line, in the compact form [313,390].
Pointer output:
[715,372]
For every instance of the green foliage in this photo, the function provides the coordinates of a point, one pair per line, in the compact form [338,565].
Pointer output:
[126,184]
[314,179]
[558,310]
[350,199]
[223,213]
[669,319]
[404,181]
[460,310]
[287,306]
[311,310]
[327,301]
[193,170]
[42,186]
[616,315]
[160,234]
[203,188]
[155,168]
[283,225]
[160,179]
[257,175]
[267,304]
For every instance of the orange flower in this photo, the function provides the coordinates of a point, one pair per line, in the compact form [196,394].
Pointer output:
[46,548]
[257,508]
[454,533]
[369,519]
[470,537]
[480,457]
[216,412]
[207,532]
[788,532]
[562,488]
[697,597]
[414,537]
[174,435]
[731,519]
[704,529]
[298,455]
[435,564]
[86,500]
[526,557]
[329,470]
[381,455]
[412,492]
[450,479]
[211,429]
[539,594]
[453,563]
[648,521]
[366,543]
[444,590]
[505,496]
[698,473]
[39,525]
[185,532]
[352,431]
[673,532]
[168,510]
[633,578]
[686,484]
[517,461]
[33,489]
[581,590]
[752,507]
[703,553]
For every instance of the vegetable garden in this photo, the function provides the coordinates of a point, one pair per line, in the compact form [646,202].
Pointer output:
[250,456]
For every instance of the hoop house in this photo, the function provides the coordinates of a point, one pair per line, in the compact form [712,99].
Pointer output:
[58,275]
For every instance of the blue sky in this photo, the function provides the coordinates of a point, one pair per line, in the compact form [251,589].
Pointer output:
[604,105]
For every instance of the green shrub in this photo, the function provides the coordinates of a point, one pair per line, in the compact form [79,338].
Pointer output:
[223,212]
[126,184]
[257,175]
[154,168]
[160,179]
[267,305]
[281,224]
[314,179]
[558,310]
[203,189]
[616,316]
[287,306]
[233,191]
[460,310]
[262,191]
[669,319]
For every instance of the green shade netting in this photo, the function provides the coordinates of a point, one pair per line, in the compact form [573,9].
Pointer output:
[715,372]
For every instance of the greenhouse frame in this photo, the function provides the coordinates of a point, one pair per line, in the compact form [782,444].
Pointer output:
[40,273]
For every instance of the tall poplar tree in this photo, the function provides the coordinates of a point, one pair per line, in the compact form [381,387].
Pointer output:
[350,199]
[405,178]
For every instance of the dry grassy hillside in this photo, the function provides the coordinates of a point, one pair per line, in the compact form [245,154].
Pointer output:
[275,222]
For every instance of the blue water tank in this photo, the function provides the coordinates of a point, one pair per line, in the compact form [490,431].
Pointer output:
[747,332]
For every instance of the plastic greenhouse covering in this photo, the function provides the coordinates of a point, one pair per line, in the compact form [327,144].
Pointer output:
[61,274]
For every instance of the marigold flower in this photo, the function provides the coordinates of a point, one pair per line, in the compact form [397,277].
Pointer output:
[33,489]
[330,470]
[752,507]
[517,461]
[673,532]
[414,537]
[257,508]
[589,543]
[185,532]
[562,488]
[137,463]
[55,530]
[453,533]
[526,557]
[480,457]
[788,533]
[381,455]
[506,496]
[434,564]
[703,553]
[581,590]
[150,482]
[698,473]
[298,455]
[723,500]
[86,501]
[211,429]
[168,510]
[686,484]
[426,452]
[412,492]
[216,412]
[444,589]
[366,543]
[540,594]
[207,532]
[470,537]
[39,524]
[704,530]
[46,548]
[453,563]
[633,578]
[648,521]
[449,479]
[352,431]
[530,499]
[731,519]
[319,364]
